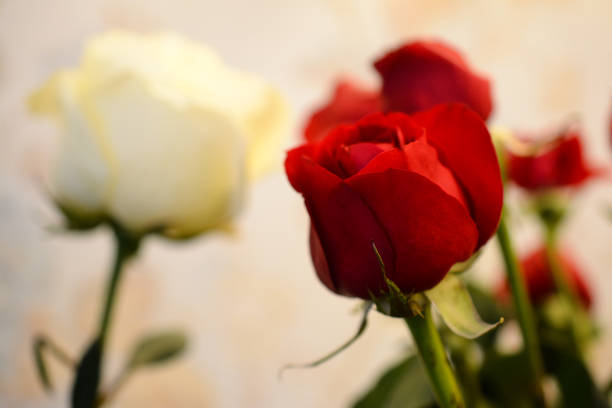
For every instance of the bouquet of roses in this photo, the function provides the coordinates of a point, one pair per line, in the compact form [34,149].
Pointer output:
[404,185]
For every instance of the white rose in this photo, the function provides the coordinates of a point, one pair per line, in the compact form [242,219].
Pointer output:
[158,133]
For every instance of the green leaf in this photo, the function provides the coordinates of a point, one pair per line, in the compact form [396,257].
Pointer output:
[85,387]
[402,386]
[575,382]
[455,306]
[157,348]
[506,380]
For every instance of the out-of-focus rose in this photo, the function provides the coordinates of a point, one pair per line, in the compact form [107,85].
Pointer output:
[559,162]
[425,189]
[349,103]
[610,126]
[422,74]
[158,133]
[540,282]
[415,76]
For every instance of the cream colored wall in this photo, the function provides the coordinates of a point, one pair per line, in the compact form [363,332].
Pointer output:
[251,301]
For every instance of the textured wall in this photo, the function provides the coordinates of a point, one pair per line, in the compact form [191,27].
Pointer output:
[251,301]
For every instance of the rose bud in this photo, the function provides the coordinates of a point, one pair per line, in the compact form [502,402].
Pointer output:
[349,103]
[416,76]
[540,281]
[558,162]
[424,189]
[158,134]
[421,74]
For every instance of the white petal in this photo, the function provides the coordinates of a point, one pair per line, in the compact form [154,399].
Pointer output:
[80,177]
[180,167]
[179,68]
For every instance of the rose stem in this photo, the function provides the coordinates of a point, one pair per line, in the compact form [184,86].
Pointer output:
[433,356]
[523,309]
[125,247]
[556,269]
[563,286]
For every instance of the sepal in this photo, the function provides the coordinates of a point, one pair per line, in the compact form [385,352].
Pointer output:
[454,304]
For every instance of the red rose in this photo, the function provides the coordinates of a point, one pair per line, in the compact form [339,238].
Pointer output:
[560,163]
[415,76]
[426,189]
[422,74]
[349,103]
[540,282]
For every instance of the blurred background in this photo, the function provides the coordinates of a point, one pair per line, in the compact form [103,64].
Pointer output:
[250,301]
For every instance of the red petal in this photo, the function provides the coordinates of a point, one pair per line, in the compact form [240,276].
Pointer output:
[349,103]
[562,166]
[429,229]
[464,146]
[420,75]
[344,229]
[540,282]
[418,157]
[353,158]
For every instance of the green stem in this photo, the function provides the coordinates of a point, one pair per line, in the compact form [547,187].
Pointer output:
[559,276]
[523,309]
[125,247]
[434,359]
[577,315]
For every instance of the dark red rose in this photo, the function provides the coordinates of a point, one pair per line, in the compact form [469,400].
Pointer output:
[422,74]
[426,189]
[540,282]
[415,76]
[559,163]
[349,103]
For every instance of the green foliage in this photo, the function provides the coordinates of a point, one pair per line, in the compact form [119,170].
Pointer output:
[404,385]
[41,367]
[157,348]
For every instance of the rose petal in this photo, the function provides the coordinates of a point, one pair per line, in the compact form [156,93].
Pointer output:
[539,278]
[420,75]
[344,229]
[349,102]
[563,165]
[429,229]
[465,147]
[177,184]
[81,174]
[421,158]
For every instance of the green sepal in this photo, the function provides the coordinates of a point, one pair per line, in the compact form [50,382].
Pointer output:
[461,267]
[551,208]
[454,304]
[393,302]
[78,221]
[41,367]
[43,345]
[362,326]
